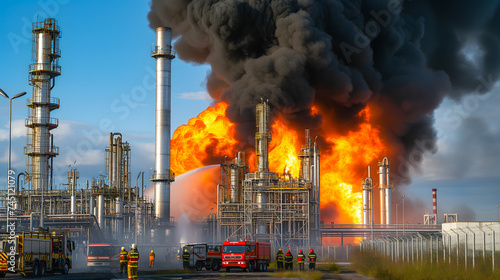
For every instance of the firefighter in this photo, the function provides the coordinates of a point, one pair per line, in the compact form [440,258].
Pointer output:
[152,259]
[312,259]
[279,259]
[133,262]
[123,260]
[300,260]
[185,259]
[288,260]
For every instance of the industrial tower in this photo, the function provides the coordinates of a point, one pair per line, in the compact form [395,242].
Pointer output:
[162,176]
[40,150]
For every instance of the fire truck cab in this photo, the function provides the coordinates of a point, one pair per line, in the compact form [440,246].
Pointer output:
[246,254]
[30,252]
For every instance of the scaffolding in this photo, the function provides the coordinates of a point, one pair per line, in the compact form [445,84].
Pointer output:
[267,206]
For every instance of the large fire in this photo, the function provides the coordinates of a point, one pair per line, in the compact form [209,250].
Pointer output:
[210,137]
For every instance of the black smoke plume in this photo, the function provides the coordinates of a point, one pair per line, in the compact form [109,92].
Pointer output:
[400,57]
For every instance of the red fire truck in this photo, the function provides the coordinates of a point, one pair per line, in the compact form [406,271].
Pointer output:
[204,255]
[246,254]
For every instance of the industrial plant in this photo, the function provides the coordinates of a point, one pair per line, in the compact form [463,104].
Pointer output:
[267,206]
[261,206]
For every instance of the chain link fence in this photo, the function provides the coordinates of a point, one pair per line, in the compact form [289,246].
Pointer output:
[463,243]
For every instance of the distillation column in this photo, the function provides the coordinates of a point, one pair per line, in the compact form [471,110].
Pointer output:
[45,67]
[262,139]
[385,192]
[73,176]
[161,177]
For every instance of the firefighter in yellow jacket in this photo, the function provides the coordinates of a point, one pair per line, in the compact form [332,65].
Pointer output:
[133,262]
[123,260]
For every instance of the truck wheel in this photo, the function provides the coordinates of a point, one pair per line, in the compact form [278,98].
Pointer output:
[228,269]
[65,269]
[36,269]
[216,266]
[2,275]
[199,266]
[43,269]
[265,267]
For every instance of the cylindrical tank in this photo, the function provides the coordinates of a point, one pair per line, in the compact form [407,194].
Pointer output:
[119,207]
[119,216]
[382,187]
[366,202]
[261,200]
[73,204]
[92,205]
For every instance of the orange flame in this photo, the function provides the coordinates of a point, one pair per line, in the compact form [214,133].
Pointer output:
[203,140]
[210,136]
[340,169]
[284,148]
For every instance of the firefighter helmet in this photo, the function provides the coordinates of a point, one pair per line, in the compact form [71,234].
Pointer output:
[311,250]
[151,251]
[185,250]
[288,251]
[279,250]
[300,251]
[123,248]
[134,246]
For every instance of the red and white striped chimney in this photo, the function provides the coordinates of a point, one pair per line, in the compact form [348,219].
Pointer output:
[434,204]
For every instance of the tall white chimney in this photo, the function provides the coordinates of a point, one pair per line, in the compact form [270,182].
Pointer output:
[162,176]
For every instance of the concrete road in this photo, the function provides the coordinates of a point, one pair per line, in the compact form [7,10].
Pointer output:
[152,274]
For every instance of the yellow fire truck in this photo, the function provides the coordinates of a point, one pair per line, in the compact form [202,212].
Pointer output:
[30,252]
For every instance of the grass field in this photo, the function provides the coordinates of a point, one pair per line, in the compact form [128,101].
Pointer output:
[380,267]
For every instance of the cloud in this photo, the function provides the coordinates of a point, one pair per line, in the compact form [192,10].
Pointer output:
[18,130]
[197,95]
[468,139]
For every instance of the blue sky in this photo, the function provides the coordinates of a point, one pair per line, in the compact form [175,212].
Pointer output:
[107,84]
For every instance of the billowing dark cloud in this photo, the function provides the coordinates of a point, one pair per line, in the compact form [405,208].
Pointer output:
[401,58]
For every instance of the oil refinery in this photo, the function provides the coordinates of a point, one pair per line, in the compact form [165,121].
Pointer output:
[262,205]
[283,180]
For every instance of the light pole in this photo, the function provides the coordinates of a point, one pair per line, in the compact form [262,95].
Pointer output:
[404,214]
[397,220]
[10,121]
[10,133]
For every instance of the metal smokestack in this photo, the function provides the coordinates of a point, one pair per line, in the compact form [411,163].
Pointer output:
[434,205]
[263,137]
[162,177]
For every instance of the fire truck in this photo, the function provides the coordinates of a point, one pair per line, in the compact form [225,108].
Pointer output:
[35,253]
[204,255]
[246,254]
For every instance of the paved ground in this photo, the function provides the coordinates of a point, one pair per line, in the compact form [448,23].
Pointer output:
[152,274]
